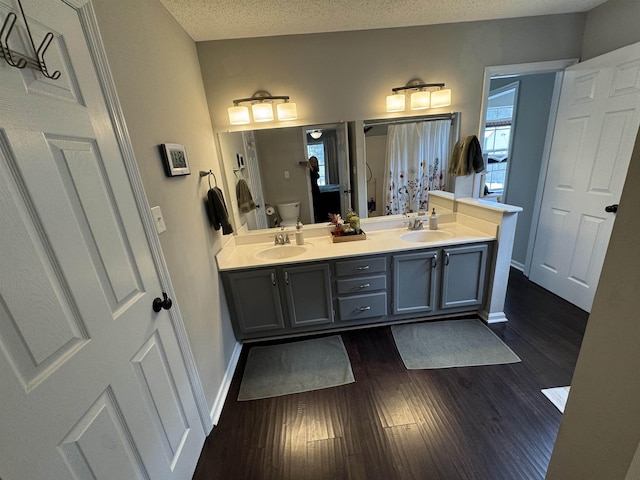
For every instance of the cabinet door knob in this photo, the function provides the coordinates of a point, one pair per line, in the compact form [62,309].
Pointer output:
[435,260]
[273,279]
[446,259]
[286,278]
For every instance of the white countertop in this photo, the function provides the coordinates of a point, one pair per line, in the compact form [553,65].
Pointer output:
[322,248]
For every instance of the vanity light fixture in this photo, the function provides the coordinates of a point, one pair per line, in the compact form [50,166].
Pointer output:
[315,134]
[421,97]
[261,108]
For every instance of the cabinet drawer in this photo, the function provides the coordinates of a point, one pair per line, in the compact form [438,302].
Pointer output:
[362,306]
[361,284]
[361,266]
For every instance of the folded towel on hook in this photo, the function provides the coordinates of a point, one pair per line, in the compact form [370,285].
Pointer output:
[466,157]
[245,201]
[217,210]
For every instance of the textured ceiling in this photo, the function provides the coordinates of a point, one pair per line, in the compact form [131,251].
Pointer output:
[226,19]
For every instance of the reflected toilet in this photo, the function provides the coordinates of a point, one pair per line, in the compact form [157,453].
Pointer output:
[289,213]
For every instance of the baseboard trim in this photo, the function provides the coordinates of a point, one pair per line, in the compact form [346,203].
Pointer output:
[517,265]
[495,317]
[216,411]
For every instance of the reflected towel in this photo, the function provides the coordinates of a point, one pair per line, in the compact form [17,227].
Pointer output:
[217,210]
[245,201]
[466,157]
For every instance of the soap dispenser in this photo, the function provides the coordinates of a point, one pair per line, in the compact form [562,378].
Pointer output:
[299,234]
[433,220]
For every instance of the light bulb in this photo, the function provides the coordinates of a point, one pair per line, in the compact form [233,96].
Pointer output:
[287,111]
[395,102]
[441,98]
[238,115]
[262,112]
[420,100]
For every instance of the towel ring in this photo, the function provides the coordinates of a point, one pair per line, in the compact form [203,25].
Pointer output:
[208,175]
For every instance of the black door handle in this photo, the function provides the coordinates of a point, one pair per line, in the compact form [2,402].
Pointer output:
[611,208]
[159,303]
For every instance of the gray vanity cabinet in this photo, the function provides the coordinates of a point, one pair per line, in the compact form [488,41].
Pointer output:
[278,301]
[254,296]
[291,299]
[308,292]
[361,289]
[415,282]
[463,275]
[450,279]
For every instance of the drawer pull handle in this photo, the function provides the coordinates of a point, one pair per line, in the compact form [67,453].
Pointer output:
[364,285]
[364,309]
[363,267]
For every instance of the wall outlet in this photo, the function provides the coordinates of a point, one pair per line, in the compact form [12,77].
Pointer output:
[286,174]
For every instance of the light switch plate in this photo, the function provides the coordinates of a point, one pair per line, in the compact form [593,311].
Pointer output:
[158,219]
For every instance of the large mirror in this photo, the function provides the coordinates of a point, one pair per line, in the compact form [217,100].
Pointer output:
[404,159]
[275,165]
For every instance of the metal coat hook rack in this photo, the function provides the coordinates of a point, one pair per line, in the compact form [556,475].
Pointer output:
[208,174]
[18,60]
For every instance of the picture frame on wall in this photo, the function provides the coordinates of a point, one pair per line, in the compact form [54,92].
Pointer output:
[175,159]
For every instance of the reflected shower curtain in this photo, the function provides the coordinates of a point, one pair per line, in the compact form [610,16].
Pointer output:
[415,163]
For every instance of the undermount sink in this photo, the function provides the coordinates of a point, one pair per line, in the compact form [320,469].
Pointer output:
[278,252]
[425,236]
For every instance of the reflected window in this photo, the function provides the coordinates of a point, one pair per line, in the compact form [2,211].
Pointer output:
[317,149]
[497,136]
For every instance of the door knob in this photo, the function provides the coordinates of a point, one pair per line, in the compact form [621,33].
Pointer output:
[160,303]
[611,208]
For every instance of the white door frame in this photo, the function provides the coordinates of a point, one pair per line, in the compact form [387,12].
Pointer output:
[514,70]
[86,12]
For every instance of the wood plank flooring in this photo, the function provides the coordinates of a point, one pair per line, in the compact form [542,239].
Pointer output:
[488,423]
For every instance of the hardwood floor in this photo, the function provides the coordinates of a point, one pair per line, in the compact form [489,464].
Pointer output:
[461,423]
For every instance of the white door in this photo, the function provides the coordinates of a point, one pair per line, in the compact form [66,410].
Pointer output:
[93,383]
[597,122]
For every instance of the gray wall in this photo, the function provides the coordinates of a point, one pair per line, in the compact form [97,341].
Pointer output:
[612,25]
[347,75]
[532,118]
[273,146]
[163,105]
[376,146]
[600,429]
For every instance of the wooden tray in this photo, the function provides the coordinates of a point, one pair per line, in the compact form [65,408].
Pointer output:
[347,238]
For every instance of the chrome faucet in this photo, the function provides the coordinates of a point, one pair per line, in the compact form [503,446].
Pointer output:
[282,239]
[415,225]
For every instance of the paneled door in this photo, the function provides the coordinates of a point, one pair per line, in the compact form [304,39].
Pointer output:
[92,380]
[596,126]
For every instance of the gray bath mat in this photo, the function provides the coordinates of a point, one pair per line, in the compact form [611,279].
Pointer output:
[295,367]
[450,343]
